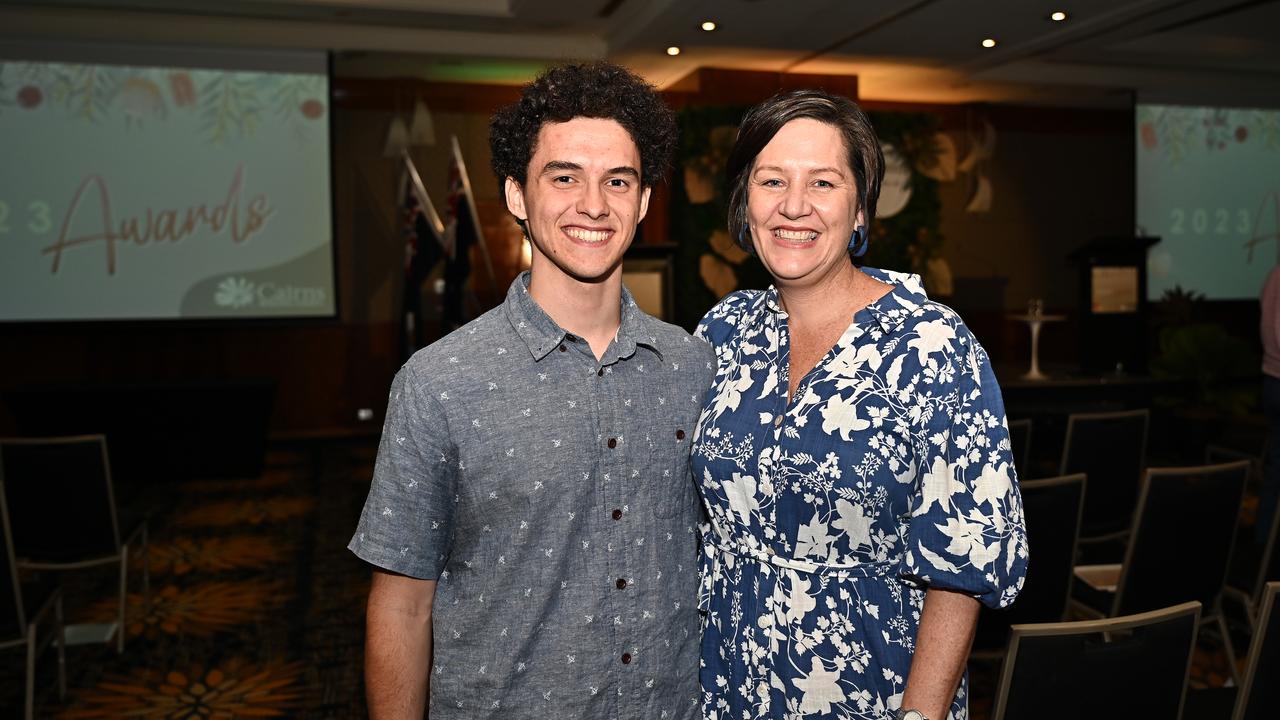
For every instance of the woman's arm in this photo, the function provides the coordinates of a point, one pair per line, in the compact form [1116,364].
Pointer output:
[942,648]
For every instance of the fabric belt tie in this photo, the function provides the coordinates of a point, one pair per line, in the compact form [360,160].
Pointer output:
[716,544]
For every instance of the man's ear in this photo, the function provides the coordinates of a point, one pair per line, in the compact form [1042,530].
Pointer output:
[515,198]
[644,203]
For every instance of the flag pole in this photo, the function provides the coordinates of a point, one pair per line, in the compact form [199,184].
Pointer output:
[475,215]
[420,191]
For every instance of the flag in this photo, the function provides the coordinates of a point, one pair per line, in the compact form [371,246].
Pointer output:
[422,250]
[460,235]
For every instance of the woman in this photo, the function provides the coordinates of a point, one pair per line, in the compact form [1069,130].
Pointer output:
[853,451]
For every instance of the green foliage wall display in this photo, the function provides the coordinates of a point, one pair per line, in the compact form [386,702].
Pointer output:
[699,208]
[906,241]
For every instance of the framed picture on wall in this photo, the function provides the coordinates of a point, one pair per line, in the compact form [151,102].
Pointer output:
[648,273]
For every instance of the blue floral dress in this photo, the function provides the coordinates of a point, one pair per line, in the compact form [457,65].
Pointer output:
[889,472]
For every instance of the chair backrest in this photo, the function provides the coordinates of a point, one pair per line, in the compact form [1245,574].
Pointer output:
[62,508]
[1260,694]
[1052,510]
[1269,568]
[1111,449]
[1132,666]
[13,620]
[1182,537]
[1020,443]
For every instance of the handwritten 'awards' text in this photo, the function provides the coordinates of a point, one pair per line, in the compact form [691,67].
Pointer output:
[241,219]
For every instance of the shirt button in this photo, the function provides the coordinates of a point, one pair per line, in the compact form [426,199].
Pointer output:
[562,348]
[622,584]
[626,658]
[777,421]
[600,372]
[570,337]
[617,514]
[679,434]
[613,443]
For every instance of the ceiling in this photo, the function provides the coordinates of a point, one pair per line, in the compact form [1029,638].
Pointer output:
[1222,52]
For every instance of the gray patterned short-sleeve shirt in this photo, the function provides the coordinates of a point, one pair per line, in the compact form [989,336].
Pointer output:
[549,494]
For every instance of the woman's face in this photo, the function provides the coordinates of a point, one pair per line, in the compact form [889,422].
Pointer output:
[802,203]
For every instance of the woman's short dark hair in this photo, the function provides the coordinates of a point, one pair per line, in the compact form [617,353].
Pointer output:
[764,121]
[591,90]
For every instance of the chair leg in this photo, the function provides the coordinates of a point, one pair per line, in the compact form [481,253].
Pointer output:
[120,618]
[1226,643]
[62,648]
[146,571]
[31,672]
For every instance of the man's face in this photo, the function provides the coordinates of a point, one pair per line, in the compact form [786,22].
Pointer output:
[582,199]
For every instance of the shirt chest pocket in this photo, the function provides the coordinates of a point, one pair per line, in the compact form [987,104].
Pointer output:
[674,493]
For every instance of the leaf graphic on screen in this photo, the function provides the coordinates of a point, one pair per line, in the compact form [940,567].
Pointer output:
[85,91]
[230,107]
[5,99]
[297,99]
[1266,126]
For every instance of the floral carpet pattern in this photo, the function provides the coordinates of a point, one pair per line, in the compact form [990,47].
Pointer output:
[256,608]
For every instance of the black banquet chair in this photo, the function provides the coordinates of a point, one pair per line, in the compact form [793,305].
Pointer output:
[1260,693]
[23,610]
[1111,449]
[1020,445]
[1125,667]
[1052,510]
[1266,571]
[1182,537]
[63,511]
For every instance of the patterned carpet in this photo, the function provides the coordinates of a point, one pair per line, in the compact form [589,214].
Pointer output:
[256,606]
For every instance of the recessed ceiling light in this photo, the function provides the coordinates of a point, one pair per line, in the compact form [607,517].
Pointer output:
[1057,16]
[708,25]
[989,43]
[673,51]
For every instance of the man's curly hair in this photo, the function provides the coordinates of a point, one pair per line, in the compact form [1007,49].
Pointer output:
[592,90]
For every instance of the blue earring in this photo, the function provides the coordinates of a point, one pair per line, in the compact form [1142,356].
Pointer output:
[859,242]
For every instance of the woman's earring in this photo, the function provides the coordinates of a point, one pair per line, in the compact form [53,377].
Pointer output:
[859,242]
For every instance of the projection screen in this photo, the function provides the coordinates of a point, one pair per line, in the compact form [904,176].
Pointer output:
[1208,184]
[150,183]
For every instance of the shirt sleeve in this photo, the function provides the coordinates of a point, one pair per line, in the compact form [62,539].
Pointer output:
[407,522]
[966,530]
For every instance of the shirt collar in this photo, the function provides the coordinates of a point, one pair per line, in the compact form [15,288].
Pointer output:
[542,335]
[890,311]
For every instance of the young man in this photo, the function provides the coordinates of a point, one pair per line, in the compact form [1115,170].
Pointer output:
[532,518]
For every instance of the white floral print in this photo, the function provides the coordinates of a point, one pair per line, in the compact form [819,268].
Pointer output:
[889,472]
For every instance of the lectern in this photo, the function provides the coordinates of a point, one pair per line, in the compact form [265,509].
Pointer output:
[1113,304]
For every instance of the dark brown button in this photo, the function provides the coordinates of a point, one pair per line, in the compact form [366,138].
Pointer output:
[562,348]
[626,658]
[621,583]
[613,443]
[617,514]
[600,372]
[570,337]
[679,434]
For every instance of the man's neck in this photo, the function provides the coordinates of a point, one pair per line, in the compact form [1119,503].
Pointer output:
[590,310]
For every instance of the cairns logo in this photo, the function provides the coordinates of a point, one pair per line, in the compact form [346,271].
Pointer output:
[238,292]
[234,292]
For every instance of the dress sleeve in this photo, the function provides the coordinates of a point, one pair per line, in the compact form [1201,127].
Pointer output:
[407,523]
[966,530]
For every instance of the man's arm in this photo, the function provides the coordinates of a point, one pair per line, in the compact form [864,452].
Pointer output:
[942,648]
[397,654]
